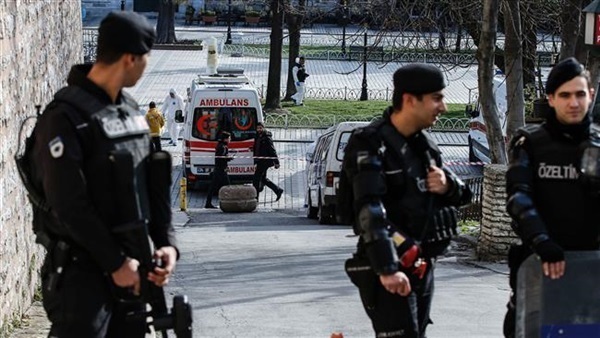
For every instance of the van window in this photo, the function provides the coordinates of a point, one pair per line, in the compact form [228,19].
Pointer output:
[344,137]
[240,122]
[321,148]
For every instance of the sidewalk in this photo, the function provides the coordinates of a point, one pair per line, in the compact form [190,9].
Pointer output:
[469,302]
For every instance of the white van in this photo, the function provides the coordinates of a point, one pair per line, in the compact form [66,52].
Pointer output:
[323,171]
[222,102]
[479,150]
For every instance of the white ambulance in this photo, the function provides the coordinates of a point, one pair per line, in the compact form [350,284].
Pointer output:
[226,101]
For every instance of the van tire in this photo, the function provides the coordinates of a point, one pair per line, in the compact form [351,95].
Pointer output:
[237,198]
[324,214]
[311,212]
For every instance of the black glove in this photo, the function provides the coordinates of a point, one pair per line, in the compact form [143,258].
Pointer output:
[549,251]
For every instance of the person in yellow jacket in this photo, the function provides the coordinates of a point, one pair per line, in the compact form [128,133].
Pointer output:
[156,121]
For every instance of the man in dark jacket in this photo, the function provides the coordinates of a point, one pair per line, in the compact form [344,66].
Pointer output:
[402,203]
[265,157]
[220,177]
[90,160]
[552,207]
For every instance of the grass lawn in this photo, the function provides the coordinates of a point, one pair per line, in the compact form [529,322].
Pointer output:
[355,108]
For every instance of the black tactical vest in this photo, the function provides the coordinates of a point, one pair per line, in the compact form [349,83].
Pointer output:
[405,164]
[570,213]
[116,141]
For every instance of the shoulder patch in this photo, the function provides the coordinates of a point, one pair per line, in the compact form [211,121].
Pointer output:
[57,147]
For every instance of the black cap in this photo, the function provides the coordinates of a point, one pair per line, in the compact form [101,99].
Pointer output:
[126,32]
[562,72]
[418,78]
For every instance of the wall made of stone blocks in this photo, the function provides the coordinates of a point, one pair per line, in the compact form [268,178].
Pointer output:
[496,235]
[39,41]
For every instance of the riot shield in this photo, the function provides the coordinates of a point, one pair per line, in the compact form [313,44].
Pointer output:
[565,307]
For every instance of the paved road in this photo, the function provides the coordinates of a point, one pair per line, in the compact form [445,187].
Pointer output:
[275,273]
[278,274]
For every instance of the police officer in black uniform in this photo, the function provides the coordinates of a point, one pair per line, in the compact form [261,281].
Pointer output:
[403,203]
[90,151]
[219,174]
[550,204]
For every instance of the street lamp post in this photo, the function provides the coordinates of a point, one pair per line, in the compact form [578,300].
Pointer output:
[122,5]
[344,22]
[364,95]
[228,40]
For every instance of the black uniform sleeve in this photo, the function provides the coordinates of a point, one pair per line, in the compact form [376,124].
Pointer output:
[519,181]
[368,189]
[271,150]
[65,187]
[459,193]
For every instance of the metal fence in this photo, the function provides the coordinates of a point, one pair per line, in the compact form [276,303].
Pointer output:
[546,43]
[473,210]
[325,121]
[394,47]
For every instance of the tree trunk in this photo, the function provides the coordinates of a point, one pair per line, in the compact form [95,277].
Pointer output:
[581,50]
[593,65]
[294,21]
[529,46]
[274,78]
[473,28]
[457,46]
[165,23]
[485,74]
[570,22]
[514,67]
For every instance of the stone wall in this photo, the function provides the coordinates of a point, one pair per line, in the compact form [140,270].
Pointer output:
[39,40]
[496,234]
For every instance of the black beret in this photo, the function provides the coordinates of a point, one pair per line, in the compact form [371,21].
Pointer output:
[126,32]
[418,78]
[562,72]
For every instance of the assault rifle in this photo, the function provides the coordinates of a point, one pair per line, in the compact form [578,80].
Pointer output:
[134,237]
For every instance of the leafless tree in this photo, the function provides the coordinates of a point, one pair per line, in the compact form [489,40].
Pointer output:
[273,101]
[513,51]
[165,23]
[570,26]
[485,75]
[294,19]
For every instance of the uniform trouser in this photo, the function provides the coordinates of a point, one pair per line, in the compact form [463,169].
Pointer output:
[260,180]
[83,304]
[156,144]
[299,96]
[393,315]
[516,256]
[219,179]
[173,129]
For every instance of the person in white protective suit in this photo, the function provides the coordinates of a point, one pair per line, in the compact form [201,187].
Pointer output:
[173,103]
[300,75]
